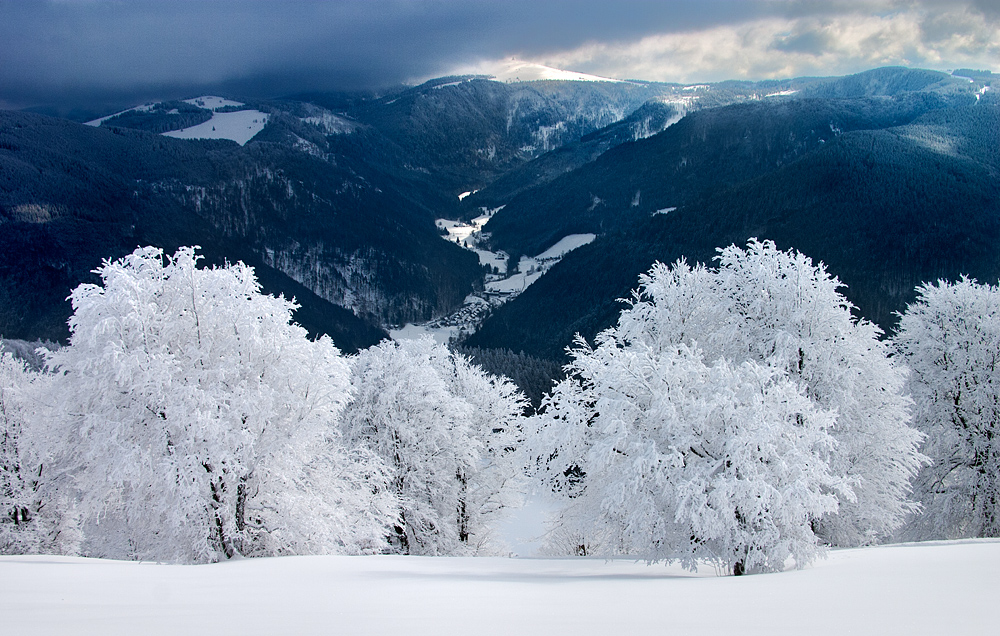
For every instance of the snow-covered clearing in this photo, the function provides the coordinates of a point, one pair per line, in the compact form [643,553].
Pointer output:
[492,259]
[528,271]
[211,102]
[449,84]
[410,331]
[240,126]
[566,244]
[913,589]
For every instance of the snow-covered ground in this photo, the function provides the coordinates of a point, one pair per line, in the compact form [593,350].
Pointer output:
[514,70]
[565,245]
[331,123]
[912,589]
[518,71]
[411,331]
[211,102]
[240,126]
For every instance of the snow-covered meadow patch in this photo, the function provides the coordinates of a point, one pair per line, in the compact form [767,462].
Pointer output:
[565,245]
[411,331]
[912,589]
[211,102]
[239,126]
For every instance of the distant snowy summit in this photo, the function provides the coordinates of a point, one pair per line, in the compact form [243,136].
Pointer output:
[520,71]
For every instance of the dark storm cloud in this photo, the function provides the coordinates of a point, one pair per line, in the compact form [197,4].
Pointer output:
[81,47]
[65,50]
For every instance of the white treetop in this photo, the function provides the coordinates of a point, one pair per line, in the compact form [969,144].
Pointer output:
[197,422]
[679,459]
[951,339]
[445,429]
[780,309]
[761,354]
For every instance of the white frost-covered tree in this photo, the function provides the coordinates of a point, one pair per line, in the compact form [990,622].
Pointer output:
[18,501]
[447,431]
[779,339]
[780,309]
[664,456]
[196,422]
[951,339]
[34,518]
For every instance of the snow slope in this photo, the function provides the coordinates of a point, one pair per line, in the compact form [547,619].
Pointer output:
[912,589]
[519,71]
[239,126]
[410,331]
[566,244]
[211,102]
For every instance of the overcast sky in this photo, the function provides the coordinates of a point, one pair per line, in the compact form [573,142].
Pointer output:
[65,50]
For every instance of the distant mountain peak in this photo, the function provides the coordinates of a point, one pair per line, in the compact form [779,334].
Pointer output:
[515,70]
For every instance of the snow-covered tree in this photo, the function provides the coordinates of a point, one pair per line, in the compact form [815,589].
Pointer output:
[782,310]
[447,430]
[667,457]
[786,359]
[197,422]
[951,339]
[34,516]
[17,500]
[496,486]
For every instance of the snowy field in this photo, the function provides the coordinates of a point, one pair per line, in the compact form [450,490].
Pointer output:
[566,244]
[212,102]
[240,126]
[411,331]
[912,589]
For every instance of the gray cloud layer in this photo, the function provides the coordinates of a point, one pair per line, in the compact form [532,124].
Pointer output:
[70,49]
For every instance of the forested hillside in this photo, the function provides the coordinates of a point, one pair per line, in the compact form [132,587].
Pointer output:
[328,227]
[887,191]
[337,204]
[887,176]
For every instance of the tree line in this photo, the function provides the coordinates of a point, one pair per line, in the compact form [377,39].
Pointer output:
[736,415]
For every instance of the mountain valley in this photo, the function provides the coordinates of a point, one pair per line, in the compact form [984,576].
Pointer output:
[889,177]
